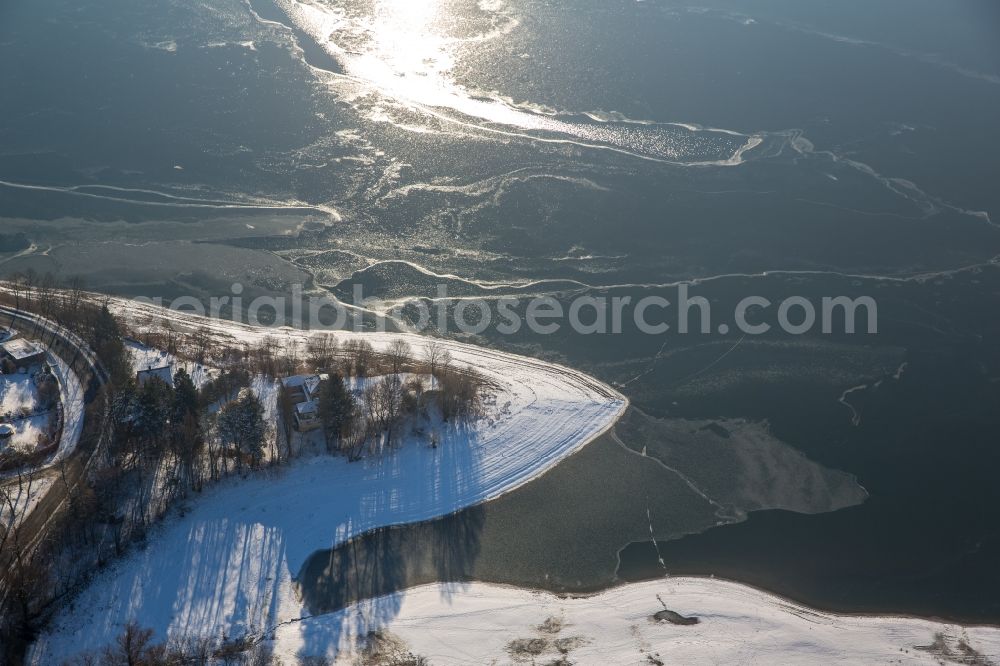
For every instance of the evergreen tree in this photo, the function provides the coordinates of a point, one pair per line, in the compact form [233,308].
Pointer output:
[241,425]
[154,406]
[336,408]
[185,395]
[108,343]
[185,428]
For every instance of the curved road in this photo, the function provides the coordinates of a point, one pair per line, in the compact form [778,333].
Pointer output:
[33,527]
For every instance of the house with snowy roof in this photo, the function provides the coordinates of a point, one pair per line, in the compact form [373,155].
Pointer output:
[303,393]
[23,353]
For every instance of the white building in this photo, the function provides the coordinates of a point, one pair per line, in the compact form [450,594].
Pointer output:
[303,391]
[23,353]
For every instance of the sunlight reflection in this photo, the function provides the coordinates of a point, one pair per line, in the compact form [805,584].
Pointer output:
[407,51]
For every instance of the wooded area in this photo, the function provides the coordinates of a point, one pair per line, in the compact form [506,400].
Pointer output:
[147,445]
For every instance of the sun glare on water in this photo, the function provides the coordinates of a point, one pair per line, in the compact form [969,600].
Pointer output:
[407,50]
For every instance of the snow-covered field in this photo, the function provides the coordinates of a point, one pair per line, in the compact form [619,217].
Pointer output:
[146,358]
[490,624]
[226,567]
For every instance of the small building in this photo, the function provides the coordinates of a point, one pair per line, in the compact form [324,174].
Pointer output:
[23,353]
[163,374]
[307,416]
[303,392]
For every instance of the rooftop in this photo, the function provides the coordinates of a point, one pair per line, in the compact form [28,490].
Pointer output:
[307,408]
[163,374]
[20,349]
[307,384]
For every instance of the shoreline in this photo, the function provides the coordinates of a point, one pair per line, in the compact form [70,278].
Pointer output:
[478,621]
[600,588]
[225,566]
[281,607]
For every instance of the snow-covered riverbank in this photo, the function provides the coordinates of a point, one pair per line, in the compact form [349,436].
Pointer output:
[226,567]
[484,624]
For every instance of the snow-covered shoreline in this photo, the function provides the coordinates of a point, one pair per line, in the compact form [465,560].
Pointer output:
[482,623]
[227,566]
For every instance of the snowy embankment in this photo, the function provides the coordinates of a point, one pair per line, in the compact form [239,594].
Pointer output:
[484,624]
[227,566]
[72,404]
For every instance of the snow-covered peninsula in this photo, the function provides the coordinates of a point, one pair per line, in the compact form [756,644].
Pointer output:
[226,567]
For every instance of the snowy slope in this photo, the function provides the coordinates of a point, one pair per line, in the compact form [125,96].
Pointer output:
[146,358]
[25,498]
[72,397]
[227,566]
[483,624]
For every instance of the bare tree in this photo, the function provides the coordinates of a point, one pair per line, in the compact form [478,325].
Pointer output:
[434,354]
[74,292]
[201,339]
[382,401]
[46,293]
[135,647]
[359,358]
[30,281]
[438,360]
[15,497]
[22,576]
[398,353]
[459,393]
[321,351]
[17,286]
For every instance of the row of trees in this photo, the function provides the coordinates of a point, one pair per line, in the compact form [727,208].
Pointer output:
[167,439]
[144,447]
[136,646]
[372,397]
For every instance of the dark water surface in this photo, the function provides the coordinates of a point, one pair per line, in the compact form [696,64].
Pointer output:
[784,148]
